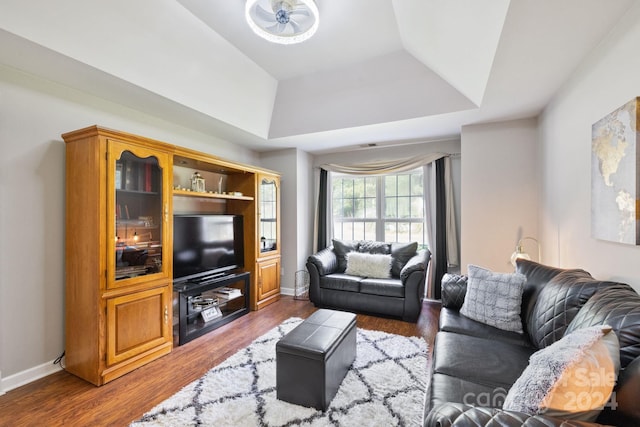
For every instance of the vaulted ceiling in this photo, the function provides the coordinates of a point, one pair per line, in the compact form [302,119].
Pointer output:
[377,71]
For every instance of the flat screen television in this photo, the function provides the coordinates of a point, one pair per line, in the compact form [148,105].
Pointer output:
[206,245]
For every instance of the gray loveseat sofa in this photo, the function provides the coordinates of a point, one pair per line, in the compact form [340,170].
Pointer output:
[399,295]
[474,365]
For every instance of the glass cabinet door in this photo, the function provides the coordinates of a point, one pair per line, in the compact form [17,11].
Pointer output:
[140,210]
[268,215]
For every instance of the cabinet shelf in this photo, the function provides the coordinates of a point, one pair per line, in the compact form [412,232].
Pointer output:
[187,193]
[190,323]
[136,192]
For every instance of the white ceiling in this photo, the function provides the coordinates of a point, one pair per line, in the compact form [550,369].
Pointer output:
[377,71]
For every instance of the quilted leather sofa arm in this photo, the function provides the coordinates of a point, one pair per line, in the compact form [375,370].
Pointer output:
[461,415]
[454,288]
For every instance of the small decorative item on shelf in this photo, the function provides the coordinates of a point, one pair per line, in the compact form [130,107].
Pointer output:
[200,303]
[211,313]
[227,293]
[148,220]
[197,183]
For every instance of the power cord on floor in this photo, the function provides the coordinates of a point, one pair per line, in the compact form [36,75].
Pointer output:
[58,361]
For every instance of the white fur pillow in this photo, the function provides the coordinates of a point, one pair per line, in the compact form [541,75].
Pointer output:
[377,266]
[572,378]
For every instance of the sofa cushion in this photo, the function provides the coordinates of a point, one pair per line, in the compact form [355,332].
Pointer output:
[401,254]
[618,306]
[572,378]
[377,266]
[341,282]
[452,321]
[494,298]
[372,247]
[342,248]
[479,360]
[557,304]
[447,388]
[384,287]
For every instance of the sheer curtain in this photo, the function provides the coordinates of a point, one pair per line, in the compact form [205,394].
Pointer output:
[440,227]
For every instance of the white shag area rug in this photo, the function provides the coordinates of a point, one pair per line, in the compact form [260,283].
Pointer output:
[385,386]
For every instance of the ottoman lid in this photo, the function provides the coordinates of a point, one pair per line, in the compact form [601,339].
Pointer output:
[319,335]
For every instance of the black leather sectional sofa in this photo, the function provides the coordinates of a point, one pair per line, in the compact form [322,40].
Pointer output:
[400,295]
[475,365]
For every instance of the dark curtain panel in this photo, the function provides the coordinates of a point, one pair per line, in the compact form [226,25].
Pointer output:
[322,211]
[441,229]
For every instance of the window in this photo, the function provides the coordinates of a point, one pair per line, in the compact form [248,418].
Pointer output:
[387,208]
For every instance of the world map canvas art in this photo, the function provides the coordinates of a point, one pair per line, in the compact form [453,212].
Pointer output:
[615,181]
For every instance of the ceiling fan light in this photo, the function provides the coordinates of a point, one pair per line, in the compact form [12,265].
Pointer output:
[276,31]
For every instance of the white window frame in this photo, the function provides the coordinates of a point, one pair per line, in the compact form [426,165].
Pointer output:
[380,220]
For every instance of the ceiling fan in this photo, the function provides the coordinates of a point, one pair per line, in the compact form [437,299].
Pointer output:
[283,21]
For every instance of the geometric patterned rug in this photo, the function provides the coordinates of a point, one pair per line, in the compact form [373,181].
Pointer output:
[385,386]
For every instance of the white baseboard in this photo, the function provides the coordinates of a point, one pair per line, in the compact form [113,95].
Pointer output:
[287,291]
[27,376]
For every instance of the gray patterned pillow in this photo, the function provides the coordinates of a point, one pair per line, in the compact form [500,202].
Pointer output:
[401,254]
[342,248]
[494,298]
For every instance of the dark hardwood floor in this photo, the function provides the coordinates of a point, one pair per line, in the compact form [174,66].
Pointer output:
[63,399]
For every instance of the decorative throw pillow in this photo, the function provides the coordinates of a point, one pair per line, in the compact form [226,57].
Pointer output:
[494,298]
[377,266]
[342,248]
[401,254]
[572,378]
[372,247]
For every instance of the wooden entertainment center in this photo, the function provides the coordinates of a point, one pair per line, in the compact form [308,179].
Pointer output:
[122,192]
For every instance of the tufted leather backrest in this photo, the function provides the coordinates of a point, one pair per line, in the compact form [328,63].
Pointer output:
[538,275]
[558,302]
[618,306]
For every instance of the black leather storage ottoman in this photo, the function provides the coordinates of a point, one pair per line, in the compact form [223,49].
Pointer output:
[313,358]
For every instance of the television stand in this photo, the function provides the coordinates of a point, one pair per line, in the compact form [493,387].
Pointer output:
[211,279]
[200,307]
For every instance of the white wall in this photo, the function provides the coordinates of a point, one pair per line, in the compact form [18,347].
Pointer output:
[606,81]
[33,115]
[500,192]
[296,210]
[284,162]
[306,208]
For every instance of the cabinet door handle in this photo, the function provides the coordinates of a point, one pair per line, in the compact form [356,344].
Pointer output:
[166,315]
